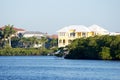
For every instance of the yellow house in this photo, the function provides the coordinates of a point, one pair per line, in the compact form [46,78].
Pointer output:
[69,33]
[97,30]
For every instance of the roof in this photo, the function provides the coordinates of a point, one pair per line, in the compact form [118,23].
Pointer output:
[77,28]
[54,36]
[17,29]
[97,28]
[33,32]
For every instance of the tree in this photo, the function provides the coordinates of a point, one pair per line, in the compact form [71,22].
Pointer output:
[43,40]
[1,37]
[105,53]
[20,35]
[1,34]
[24,41]
[8,31]
[29,42]
[115,47]
[15,42]
[33,40]
[53,42]
[98,47]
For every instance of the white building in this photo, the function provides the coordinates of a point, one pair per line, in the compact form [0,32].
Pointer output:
[114,33]
[34,34]
[98,30]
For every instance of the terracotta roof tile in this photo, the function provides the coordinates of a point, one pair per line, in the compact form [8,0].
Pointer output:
[17,29]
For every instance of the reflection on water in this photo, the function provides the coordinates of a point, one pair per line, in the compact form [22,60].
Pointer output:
[53,68]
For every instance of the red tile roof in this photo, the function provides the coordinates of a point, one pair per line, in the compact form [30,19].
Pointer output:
[54,36]
[17,29]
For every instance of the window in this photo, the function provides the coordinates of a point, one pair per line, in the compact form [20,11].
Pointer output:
[79,34]
[62,33]
[84,34]
[63,41]
[60,41]
[69,41]
[72,34]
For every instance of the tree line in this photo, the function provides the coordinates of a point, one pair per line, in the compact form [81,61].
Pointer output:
[99,47]
[18,45]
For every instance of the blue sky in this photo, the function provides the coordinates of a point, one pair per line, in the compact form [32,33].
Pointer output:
[51,15]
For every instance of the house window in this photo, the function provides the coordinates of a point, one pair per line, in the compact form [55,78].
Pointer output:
[60,41]
[84,34]
[72,34]
[92,33]
[63,41]
[79,34]
[62,33]
[69,41]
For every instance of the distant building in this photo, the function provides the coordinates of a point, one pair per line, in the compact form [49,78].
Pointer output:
[69,33]
[18,30]
[54,36]
[35,34]
[114,33]
[97,30]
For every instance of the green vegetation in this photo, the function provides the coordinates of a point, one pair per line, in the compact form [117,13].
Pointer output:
[6,34]
[8,51]
[26,49]
[98,47]
[12,44]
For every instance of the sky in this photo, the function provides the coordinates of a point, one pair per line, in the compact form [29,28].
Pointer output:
[51,15]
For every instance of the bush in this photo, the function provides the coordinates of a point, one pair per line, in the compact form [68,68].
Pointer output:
[105,53]
[18,52]
[98,47]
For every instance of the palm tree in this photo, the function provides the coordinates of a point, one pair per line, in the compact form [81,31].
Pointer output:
[8,31]
[33,40]
[24,42]
[29,42]
[54,42]
[43,40]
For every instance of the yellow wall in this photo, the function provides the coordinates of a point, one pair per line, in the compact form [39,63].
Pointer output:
[67,38]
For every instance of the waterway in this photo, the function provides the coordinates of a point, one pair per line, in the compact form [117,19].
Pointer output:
[54,68]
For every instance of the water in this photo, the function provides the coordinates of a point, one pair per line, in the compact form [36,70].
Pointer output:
[53,68]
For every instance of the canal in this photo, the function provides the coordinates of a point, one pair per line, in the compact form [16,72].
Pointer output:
[54,68]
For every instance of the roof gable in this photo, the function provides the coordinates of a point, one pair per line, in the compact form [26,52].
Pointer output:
[97,28]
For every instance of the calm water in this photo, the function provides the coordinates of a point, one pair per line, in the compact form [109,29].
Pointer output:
[53,68]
